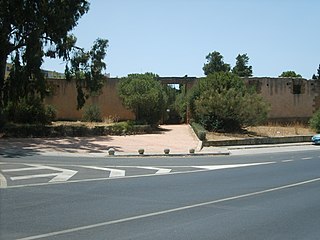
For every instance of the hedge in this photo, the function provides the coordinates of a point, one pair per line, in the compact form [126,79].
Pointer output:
[38,130]
[199,130]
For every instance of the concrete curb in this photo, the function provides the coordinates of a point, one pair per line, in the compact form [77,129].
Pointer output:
[258,141]
[170,155]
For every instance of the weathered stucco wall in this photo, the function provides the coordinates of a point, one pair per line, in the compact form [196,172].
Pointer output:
[64,99]
[290,99]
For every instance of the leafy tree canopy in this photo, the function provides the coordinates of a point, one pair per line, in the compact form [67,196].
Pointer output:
[32,30]
[86,69]
[144,95]
[241,68]
[221,101]
[291,74]
[215,64]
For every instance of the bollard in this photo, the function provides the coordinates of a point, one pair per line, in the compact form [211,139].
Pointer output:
[166,151]
[111,151]
[191,151]
[141,151]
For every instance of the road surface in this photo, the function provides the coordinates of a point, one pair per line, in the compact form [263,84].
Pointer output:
[255,196]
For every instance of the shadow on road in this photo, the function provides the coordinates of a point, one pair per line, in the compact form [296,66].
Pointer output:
[21,147]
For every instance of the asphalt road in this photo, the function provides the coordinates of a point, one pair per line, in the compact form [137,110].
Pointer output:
[256,196]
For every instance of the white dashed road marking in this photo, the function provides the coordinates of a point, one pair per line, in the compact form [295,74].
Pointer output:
[113,172]
[159,170]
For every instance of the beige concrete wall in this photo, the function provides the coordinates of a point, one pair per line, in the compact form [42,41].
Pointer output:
[289,98]
[64,99]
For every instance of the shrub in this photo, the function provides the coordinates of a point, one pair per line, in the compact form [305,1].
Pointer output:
[31,111]
[221,101]
[92,114]
[144,95]
[199,130]
[315,122]
[122,128]
[51,113]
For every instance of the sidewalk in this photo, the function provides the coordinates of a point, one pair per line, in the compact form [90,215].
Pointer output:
[178,138]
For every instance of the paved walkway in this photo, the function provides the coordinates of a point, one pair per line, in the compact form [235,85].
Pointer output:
[178,138]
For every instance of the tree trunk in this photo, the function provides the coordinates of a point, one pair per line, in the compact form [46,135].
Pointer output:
[3,63]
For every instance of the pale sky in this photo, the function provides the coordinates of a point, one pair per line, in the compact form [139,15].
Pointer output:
[173,37]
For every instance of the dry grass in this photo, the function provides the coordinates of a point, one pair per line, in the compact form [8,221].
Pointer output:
[272,130]
[78,123]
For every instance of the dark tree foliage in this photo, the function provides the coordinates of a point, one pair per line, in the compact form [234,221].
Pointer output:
[241,68]
[86,69]
[317,76]
[31,30]
[291,74]
[145,96]
[215,64]
[222,101]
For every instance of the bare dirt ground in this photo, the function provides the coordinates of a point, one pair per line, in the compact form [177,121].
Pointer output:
[263,131]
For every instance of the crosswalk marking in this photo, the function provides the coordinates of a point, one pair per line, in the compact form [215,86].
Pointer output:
[217,167]
[61,175]
[3,181]
[159,170]
[113,172]
[33,176]
[25,169]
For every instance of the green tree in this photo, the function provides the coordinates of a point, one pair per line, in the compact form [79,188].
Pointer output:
[315,121]
[215,64]
[290,74]
[144,95]
[86,69]
[241,68]
[317,76]
[32,30]
[221,101]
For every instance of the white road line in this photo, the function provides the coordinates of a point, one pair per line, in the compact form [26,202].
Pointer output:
[113,172]
[289,160]
[114,178]
[306,158]
[217,167]
[62,175]
[33,176]
[102,224]
[159,170]
[40,167]
[3,181]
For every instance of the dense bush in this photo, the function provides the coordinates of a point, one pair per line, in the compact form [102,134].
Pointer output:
[3,119]
[199,130]
[92,114]
[144,95]
[121,128]
[30,111]
[221,101]
[315,122]
[41,130]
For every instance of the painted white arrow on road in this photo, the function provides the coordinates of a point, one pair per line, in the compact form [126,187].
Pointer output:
[113,172]
[62,174]
[159,170]
[217,167]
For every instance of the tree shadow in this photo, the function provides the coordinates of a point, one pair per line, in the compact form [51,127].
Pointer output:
[160,130]
[12,147]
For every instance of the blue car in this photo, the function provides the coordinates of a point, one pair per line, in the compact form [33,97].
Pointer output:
[316,139]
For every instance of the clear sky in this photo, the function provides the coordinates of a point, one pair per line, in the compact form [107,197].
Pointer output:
[173,37]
